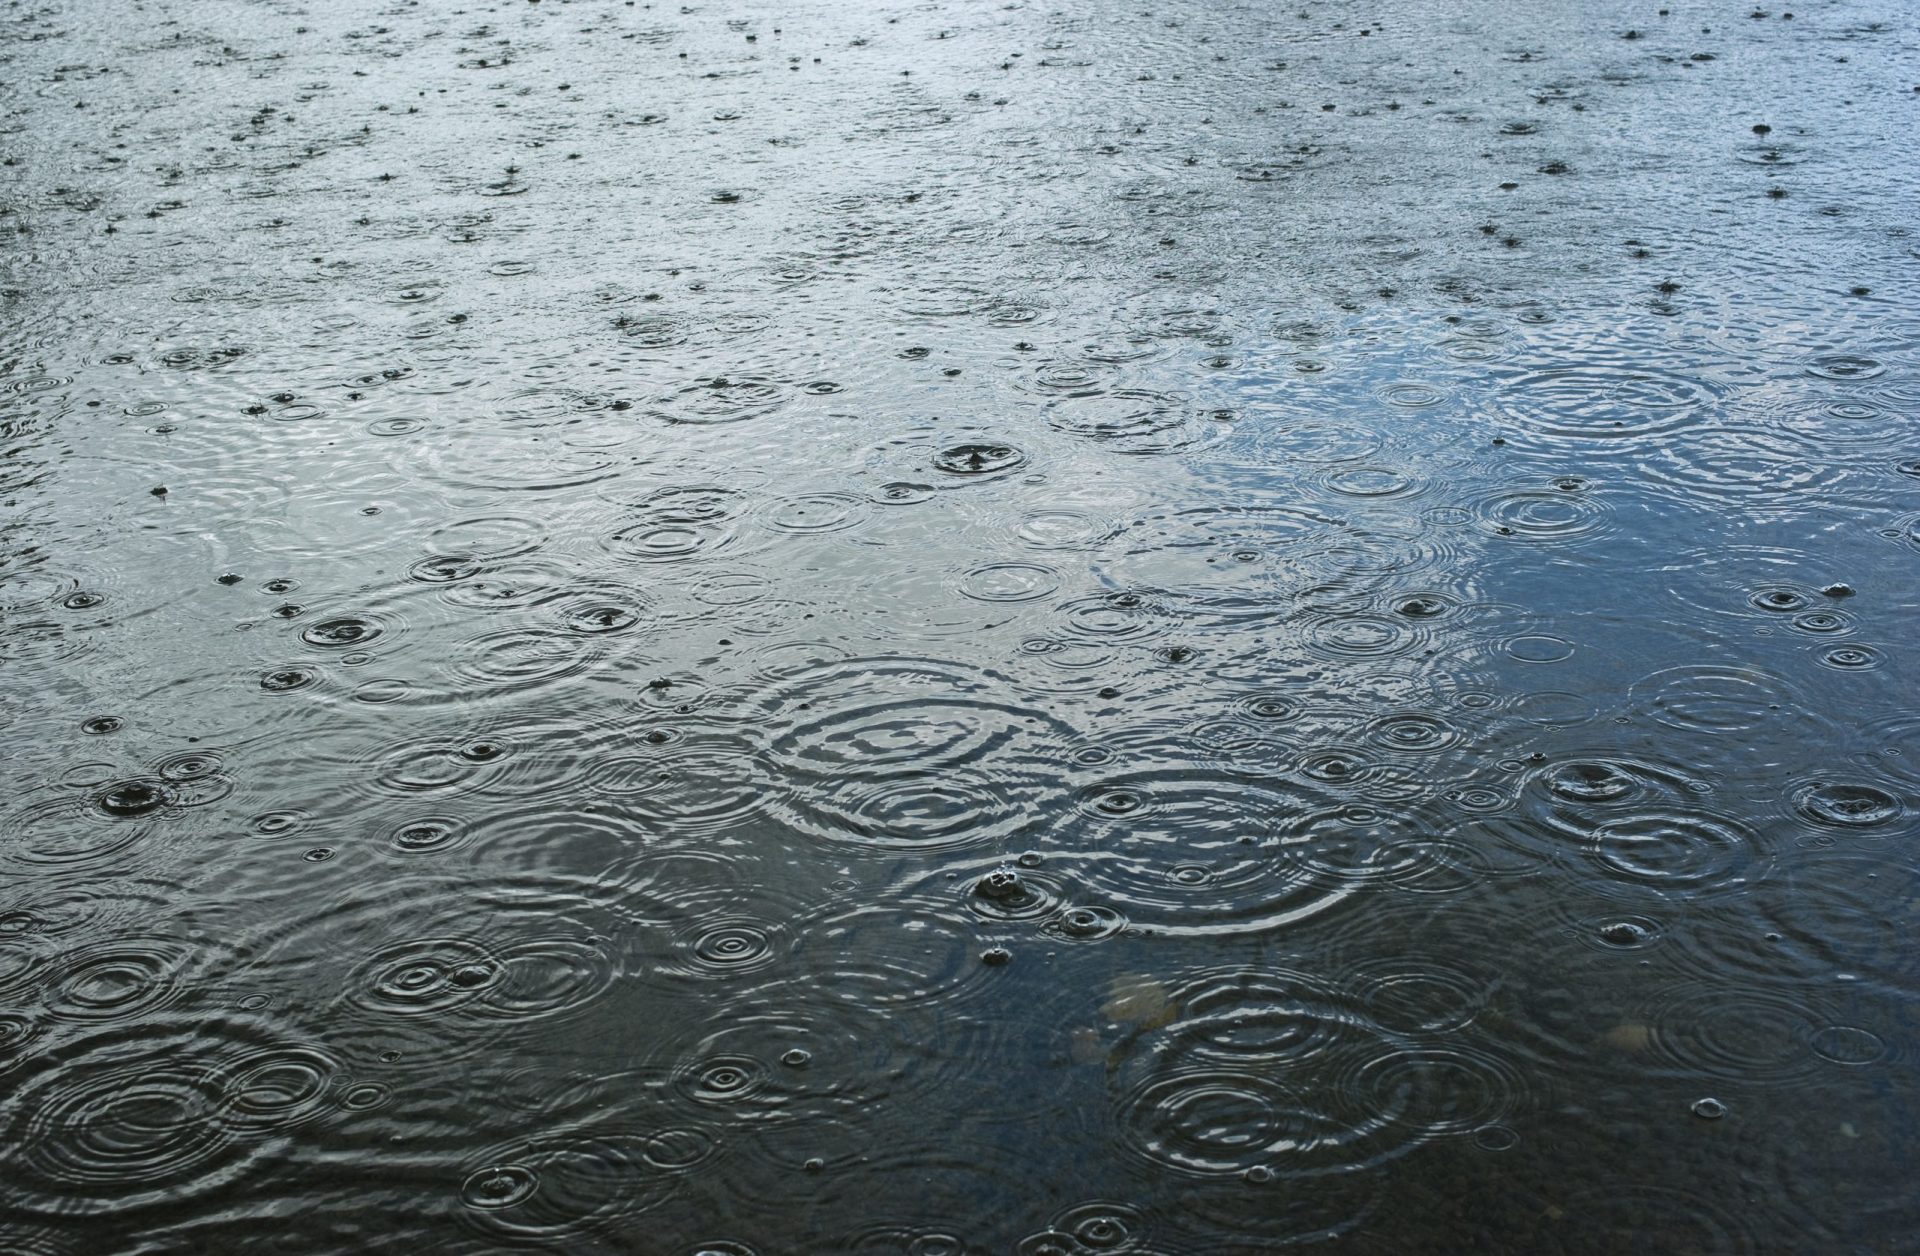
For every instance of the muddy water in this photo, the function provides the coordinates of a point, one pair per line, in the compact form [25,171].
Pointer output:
[828,628]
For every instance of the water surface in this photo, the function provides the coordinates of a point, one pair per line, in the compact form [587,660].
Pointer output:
[958,628]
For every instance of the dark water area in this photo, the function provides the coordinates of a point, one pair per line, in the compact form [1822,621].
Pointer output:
[958,629]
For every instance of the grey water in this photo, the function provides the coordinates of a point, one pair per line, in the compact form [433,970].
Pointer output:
[963,628]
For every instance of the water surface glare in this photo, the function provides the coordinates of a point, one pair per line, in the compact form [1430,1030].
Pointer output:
[958,629]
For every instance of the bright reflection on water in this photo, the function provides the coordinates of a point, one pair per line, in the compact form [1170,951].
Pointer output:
[956,628]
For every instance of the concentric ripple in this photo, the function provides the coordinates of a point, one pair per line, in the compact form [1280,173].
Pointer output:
[570,1185]
[792,1059]
[1589,401]
[1714,699]
[912,753]
[1231,564]
[1277,1075]
[1199,852]
[123,1119]
[1635,821]
[1736,1033]
[1847,805]
[684,524]
[1679,852]
[1136,422]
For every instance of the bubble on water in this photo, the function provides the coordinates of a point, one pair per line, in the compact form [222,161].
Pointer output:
[1087,923]
[1005,893]
[599,617]
[499,1186]
[288,679]
[1594,781]
[978,459]
[341,631]
[1626,933]
[138,797]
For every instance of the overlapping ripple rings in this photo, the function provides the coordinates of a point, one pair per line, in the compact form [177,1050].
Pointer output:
[1074,629]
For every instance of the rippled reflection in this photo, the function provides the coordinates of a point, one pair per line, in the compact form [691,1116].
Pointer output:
[938,630]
